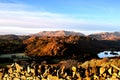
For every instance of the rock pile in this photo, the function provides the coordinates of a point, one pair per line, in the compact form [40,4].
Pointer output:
[90,70]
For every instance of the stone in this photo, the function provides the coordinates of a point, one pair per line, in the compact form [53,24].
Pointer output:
[119,73]
[102,70]
[74,69]
[114,75]
[68,77]
[110,70]
[16,78]
[30,78]
[1,74]
[10,71]
[50,77]
[18,67]
[87,78]
[95,77]
[33,71]
[36,78]
[23,78]
[28,69]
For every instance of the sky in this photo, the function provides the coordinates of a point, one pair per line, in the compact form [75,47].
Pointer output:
[85,16]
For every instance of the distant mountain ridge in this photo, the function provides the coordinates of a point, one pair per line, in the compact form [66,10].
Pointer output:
[58,33]
[98,36]
[14,37]
[106,36]
[67,43]
[9,37]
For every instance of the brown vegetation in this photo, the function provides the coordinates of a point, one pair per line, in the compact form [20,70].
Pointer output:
[65,46]
[69,46]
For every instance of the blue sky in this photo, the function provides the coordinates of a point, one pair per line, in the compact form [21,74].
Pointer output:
[85,16]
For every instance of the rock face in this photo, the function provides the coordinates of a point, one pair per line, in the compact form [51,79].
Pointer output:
[57,33]
[106,36]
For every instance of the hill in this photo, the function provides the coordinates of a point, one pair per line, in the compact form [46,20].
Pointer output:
[106,36]
[79,47]
[9,37]
[12,43]
[14,37]
[59,43]
[57,33]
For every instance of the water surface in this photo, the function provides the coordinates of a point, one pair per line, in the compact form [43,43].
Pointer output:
[108,54]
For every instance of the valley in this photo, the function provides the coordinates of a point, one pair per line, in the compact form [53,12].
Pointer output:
[64,52]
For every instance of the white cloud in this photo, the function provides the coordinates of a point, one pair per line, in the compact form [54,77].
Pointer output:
[35,19]
[22,30]
[16,19]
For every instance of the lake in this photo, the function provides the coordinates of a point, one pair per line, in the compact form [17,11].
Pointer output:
[14,54]
[108,54]
[100,55]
